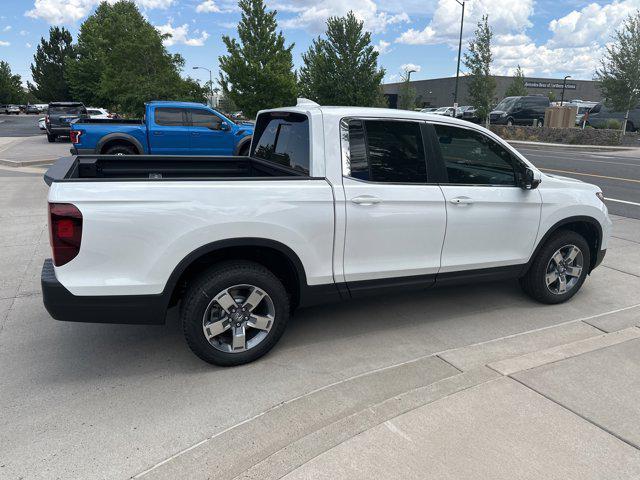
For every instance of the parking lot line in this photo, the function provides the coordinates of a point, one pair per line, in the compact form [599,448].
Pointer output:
[622,201]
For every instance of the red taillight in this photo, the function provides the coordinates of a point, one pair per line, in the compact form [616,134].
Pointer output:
[75,136]
[65,232]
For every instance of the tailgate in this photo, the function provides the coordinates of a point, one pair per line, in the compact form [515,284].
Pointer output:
[59,170]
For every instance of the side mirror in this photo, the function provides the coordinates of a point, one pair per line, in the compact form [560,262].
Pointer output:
[531,179]
[224,126]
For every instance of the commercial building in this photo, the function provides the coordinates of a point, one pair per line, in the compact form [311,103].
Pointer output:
[439,92]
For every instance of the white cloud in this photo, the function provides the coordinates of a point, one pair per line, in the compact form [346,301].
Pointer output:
[410,66]
[382,47]
[594,23]
[208,6]
[28,45]
[4,44]
[24,33]
[63,12]
[181,35]
[7,28]
[505,16]
[312,15]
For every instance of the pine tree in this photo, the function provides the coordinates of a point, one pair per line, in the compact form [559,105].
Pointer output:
[257,72]
[10,85]
[47,69]
[342,69]
[517,88]
[619,75]
[478,60]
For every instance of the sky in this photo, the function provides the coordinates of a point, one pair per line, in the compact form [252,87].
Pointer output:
[547,38]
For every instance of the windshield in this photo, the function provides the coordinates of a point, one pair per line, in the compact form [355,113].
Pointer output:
[506,104]
[442,109]
[66,110]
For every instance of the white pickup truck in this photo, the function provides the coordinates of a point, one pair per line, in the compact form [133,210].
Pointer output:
[332,203]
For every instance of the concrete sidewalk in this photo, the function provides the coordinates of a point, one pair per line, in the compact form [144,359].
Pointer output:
[34,150]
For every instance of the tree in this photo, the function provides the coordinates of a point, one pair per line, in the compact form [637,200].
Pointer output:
[342,69]
[47,69]
[552,96]
[478,60]
[121,63]
[257,72]
[10,85]
[517,88]
[406,94]
[619,75]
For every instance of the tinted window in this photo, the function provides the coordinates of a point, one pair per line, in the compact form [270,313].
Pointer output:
[203,118]
[387,151]
[472,158]
[170,117]
[596,109]
[66,110]
[283,138]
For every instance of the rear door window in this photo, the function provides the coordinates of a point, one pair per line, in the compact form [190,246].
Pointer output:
[387,151]
[283,138]
[171,117]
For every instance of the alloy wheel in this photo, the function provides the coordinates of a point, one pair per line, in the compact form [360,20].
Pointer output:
[238,318]
[564,269]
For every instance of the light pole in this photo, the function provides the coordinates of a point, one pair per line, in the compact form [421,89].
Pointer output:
[210,84]
[455,95]
[564,85]
[409,72]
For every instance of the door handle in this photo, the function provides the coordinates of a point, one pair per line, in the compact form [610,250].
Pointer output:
[461,201]
[366,200]
[157,133]
[195,134]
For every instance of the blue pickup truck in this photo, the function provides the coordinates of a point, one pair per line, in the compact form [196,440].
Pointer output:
[168,128]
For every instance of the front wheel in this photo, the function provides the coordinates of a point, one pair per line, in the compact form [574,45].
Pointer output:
[51,138]
[559,269]
[510,122]
[234,313]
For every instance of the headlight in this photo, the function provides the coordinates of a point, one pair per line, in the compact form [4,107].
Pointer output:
[600,195]
[503,114]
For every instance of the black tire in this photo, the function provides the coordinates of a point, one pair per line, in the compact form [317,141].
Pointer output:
[200,295]
[534,281]
[51,138]
[244,150]
[120,150]
[630,126]
[510,122]
[541,122]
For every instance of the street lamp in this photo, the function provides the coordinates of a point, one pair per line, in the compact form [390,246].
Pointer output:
[564,85]
[409,72]
[455,95]
[210,83]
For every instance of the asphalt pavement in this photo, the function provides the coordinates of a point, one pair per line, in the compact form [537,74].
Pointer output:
[19,125]
[616,172]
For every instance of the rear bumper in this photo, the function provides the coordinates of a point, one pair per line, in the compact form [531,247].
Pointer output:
[82,151]
[58,131]
[130,309]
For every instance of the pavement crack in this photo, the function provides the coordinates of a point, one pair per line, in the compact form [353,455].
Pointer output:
[621,271]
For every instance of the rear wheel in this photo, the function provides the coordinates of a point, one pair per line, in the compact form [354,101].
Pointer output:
[559,269]
[510,122]
[51,138]
[120,150]
[234,313]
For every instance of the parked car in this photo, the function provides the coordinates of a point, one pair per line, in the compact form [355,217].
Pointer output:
[168,128]
[59,117]
[32,109]
[428,110]
[582,108]
[471,115]
[94,112]
[520,110]
[331,204]
[12,109]
[42,124]
[460,110]
[600,116]
[445,111]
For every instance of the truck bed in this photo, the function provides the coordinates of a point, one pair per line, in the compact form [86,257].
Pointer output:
[85,168]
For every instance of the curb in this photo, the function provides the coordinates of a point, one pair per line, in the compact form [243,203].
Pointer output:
[27,163]
[570,146]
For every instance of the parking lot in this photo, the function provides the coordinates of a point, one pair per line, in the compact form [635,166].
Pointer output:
[393,387]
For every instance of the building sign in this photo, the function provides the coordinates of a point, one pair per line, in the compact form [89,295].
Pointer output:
[568,86]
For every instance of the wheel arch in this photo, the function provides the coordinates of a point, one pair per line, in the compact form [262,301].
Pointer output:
[273,255]
[118,138]
[244,142]
[588,227]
